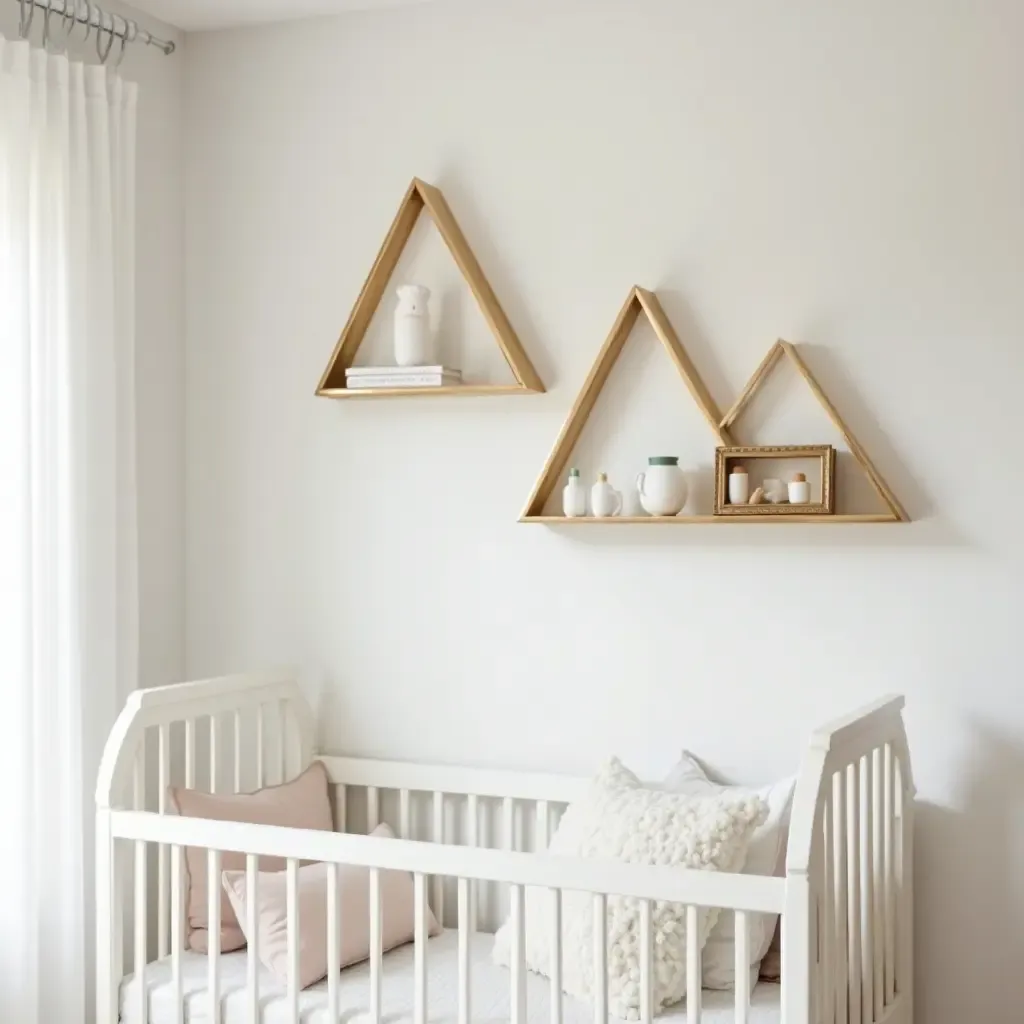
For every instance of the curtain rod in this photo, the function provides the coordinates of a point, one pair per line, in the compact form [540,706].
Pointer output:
[61,18]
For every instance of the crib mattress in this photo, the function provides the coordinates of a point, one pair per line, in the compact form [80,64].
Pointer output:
[489,993]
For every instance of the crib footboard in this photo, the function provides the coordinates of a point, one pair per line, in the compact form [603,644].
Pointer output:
[848,924]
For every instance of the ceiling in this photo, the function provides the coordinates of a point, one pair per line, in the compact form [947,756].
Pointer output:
[199,15]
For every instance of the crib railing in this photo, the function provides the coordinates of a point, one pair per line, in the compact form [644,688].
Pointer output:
[737,893]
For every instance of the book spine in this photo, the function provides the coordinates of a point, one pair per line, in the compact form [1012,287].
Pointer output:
[424,380]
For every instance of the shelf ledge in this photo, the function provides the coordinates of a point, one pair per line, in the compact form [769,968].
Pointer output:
[820,520]
[462,390]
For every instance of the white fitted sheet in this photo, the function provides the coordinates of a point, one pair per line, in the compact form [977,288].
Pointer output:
[489,994]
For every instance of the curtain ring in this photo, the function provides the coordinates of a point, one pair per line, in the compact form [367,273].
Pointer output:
[131,31]
[46,23]
[103,52]
[68,19]
[25,24]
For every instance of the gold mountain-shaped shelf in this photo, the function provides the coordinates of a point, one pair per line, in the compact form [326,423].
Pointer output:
[642,301]
[418,197]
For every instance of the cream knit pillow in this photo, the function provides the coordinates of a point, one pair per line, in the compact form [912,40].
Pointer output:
[621,820]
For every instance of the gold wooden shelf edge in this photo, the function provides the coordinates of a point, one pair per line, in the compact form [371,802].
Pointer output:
[419,197]
[640,301]
[817,520]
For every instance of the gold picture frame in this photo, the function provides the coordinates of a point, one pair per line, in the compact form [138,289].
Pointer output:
[824,453]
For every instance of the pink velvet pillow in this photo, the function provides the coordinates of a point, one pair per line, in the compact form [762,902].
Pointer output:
[398,915]
[302,803]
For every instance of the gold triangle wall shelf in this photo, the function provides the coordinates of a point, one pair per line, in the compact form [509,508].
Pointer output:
[786,350]
[421,196]
[638,301]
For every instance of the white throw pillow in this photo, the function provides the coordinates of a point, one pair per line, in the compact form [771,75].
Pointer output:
[621,820]
[767,849]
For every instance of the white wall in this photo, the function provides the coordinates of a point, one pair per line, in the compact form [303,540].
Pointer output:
[159,342]
[846,175]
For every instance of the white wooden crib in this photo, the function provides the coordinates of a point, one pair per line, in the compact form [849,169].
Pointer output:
[473,840]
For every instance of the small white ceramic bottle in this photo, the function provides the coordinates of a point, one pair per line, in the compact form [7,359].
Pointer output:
[799,490]
[739,486]
[574,496]
[604,499]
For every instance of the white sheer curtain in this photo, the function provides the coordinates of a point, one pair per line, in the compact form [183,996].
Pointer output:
[68,619]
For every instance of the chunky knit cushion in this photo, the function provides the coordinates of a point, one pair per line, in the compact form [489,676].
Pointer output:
[621,820]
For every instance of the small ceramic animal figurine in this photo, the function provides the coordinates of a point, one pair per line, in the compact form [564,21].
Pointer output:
[799,490]
[775,492]
[662,488]
[574,496]
[604,499]
[739,486]
[412,327]
[757,498]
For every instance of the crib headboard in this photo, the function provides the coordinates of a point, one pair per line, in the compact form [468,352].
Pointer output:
[227,734]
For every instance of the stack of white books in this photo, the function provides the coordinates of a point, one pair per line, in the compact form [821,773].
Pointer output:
[357,377]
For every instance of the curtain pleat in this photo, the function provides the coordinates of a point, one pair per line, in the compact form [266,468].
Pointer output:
[68,585]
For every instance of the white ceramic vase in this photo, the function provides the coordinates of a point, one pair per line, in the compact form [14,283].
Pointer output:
[662,488]
[412,327]
[574,496]
[605,501]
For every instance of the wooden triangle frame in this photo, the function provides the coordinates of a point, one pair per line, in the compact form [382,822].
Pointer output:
[638,301]
[419,197]
[784,349]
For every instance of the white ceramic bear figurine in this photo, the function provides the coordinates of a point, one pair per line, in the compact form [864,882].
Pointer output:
[412,326]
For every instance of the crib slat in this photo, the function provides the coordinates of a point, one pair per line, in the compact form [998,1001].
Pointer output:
[904,879]
[877,883]
[826,903]
[464,978]
[341,807]
[404,815]
[842,881]
[282,735]
[556,956]
[741,967]
[508,836]
[375,946]
[438,837]
[214,750]
[177,933]
[190,753]
[889,876]
[693,967]
[472,839]
[541,839]
[853,918]
[238,751]
[420,947]
[600,902]
[141,928]
[213,946]
[646,963]
[292,888]
[253,958]
[372,808]
[867,891]
[163,773]
[333,942]
[260,760]
[517,917]
[508,822]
